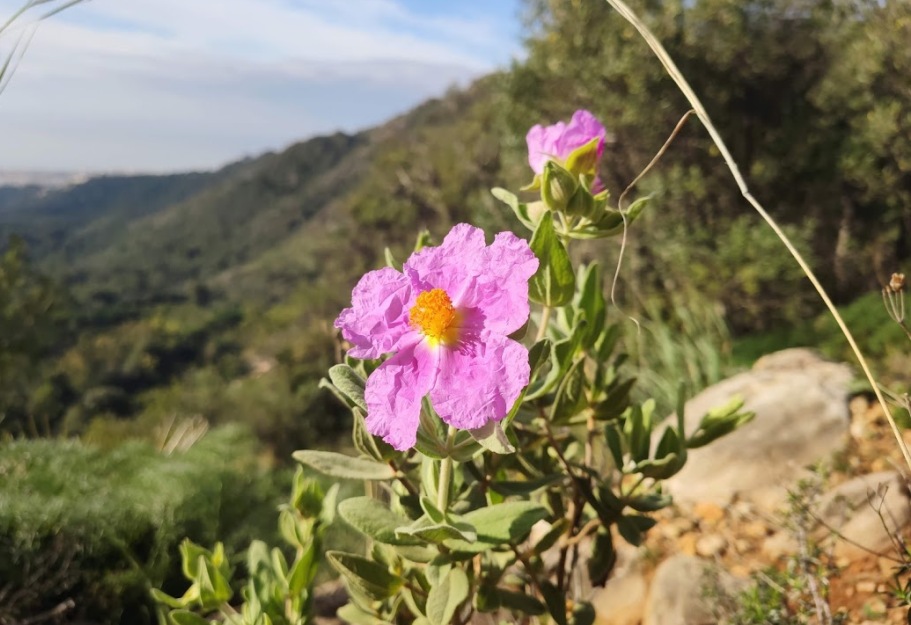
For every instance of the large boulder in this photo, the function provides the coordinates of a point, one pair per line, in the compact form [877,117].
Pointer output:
[802,417]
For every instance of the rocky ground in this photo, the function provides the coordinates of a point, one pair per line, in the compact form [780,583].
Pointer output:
[797,518]
[828,540]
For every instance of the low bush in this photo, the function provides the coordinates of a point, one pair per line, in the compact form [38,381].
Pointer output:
[88,532]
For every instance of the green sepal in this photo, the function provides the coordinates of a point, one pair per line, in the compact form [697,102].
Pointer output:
[558,186]
[611,222]
[583,161]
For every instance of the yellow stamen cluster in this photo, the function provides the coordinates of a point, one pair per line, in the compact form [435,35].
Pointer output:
[434,315]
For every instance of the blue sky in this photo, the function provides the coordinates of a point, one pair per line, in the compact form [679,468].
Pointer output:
[168,85]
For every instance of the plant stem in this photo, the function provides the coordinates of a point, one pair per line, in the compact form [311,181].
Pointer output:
[694,101]
[446,472]
[542,324]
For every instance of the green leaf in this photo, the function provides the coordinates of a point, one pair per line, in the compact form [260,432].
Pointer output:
[554,282]
[552,535]
[349,384]
[556,602]
[445,597]
[168,600]
[432,531]
[365,442]
[521,210]
[373,519]
[603,558]
[520,602]
[346,467]
[618,398]
[718,422]
[184,617]
[352,614]
[615,445]
[492,437]
[659,468]
[633,527]
[190,554]
[590,300]
[390,259]
[501,524]
[651,502]
[570,397]
[524,487]
[431,435]
[303,572]
[365,576]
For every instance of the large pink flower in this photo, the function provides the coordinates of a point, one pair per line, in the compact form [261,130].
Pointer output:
[446,319]
[555,143]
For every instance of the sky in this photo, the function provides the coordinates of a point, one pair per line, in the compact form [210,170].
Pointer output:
[173,85]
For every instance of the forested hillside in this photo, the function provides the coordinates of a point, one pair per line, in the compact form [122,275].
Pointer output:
[177,285]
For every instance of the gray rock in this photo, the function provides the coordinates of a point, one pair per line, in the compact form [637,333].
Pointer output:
[865,511]
[686,591]
[800,401]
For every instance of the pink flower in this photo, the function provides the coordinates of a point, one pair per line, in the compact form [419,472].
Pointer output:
[446,319]
[557,142]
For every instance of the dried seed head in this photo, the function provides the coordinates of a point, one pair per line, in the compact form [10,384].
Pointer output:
[897,283]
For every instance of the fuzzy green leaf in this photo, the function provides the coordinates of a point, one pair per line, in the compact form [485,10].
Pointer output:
[554,283]
[444,598]
[346,467]
[365,576]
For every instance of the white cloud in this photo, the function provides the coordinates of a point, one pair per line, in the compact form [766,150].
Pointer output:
[169,84]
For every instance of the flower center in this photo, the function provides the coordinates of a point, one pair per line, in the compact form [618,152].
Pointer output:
[434,315]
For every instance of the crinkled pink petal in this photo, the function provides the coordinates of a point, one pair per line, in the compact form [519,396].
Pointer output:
[378,318]
[542,145]
[479,381]
[557,142]
[453,266]
[394,393]
[581,129]
[500,291]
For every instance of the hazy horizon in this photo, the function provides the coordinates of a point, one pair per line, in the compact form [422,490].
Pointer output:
[165,86]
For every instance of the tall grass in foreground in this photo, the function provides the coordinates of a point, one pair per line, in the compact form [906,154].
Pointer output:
[22,32]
